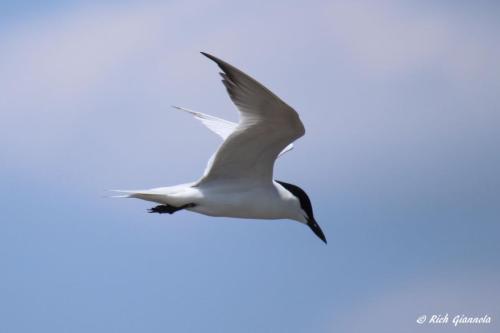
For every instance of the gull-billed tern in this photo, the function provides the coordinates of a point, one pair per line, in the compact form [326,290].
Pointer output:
[238,180]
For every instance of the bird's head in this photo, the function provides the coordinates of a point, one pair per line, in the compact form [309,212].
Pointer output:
[307,215]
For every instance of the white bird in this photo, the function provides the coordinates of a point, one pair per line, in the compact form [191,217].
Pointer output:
[238,180]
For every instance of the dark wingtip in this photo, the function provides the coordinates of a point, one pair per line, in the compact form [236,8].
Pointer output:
[209,56]
[221,63]
[317,230]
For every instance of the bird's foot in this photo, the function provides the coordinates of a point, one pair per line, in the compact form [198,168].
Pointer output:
[162,209]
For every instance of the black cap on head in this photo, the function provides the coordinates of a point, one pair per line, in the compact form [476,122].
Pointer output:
[306,206]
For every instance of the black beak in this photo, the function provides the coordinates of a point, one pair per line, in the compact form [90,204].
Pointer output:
[316,229]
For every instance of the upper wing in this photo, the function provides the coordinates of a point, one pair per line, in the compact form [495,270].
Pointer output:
[219,126]
[267,125]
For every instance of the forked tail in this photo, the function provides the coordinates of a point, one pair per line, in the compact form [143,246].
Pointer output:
[147,195]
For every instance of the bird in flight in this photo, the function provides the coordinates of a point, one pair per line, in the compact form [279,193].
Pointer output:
[238,180]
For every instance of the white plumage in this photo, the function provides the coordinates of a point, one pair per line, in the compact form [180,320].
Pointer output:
[238,180]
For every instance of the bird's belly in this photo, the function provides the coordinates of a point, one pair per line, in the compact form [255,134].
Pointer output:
[242,205]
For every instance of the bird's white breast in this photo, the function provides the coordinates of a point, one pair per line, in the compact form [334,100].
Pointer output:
[245,200]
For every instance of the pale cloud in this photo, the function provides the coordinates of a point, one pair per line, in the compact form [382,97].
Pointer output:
[52,65]
[93,74]
[388,37]
[66,55]
[471,293]
[71,74]
[61,68]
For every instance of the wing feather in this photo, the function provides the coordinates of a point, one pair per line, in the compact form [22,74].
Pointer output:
[219,126]
[267,127]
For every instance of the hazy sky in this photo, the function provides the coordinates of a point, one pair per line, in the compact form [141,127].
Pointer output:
[401,105]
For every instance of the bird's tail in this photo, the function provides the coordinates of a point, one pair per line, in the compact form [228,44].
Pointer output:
[121,194]
[147,195]
[177,195]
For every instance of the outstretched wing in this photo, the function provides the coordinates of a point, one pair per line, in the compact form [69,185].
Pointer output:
[219,126]
[267,125]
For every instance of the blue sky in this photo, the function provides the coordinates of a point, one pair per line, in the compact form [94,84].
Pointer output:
[401,108]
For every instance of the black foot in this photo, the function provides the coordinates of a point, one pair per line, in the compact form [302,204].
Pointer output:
[162,209]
